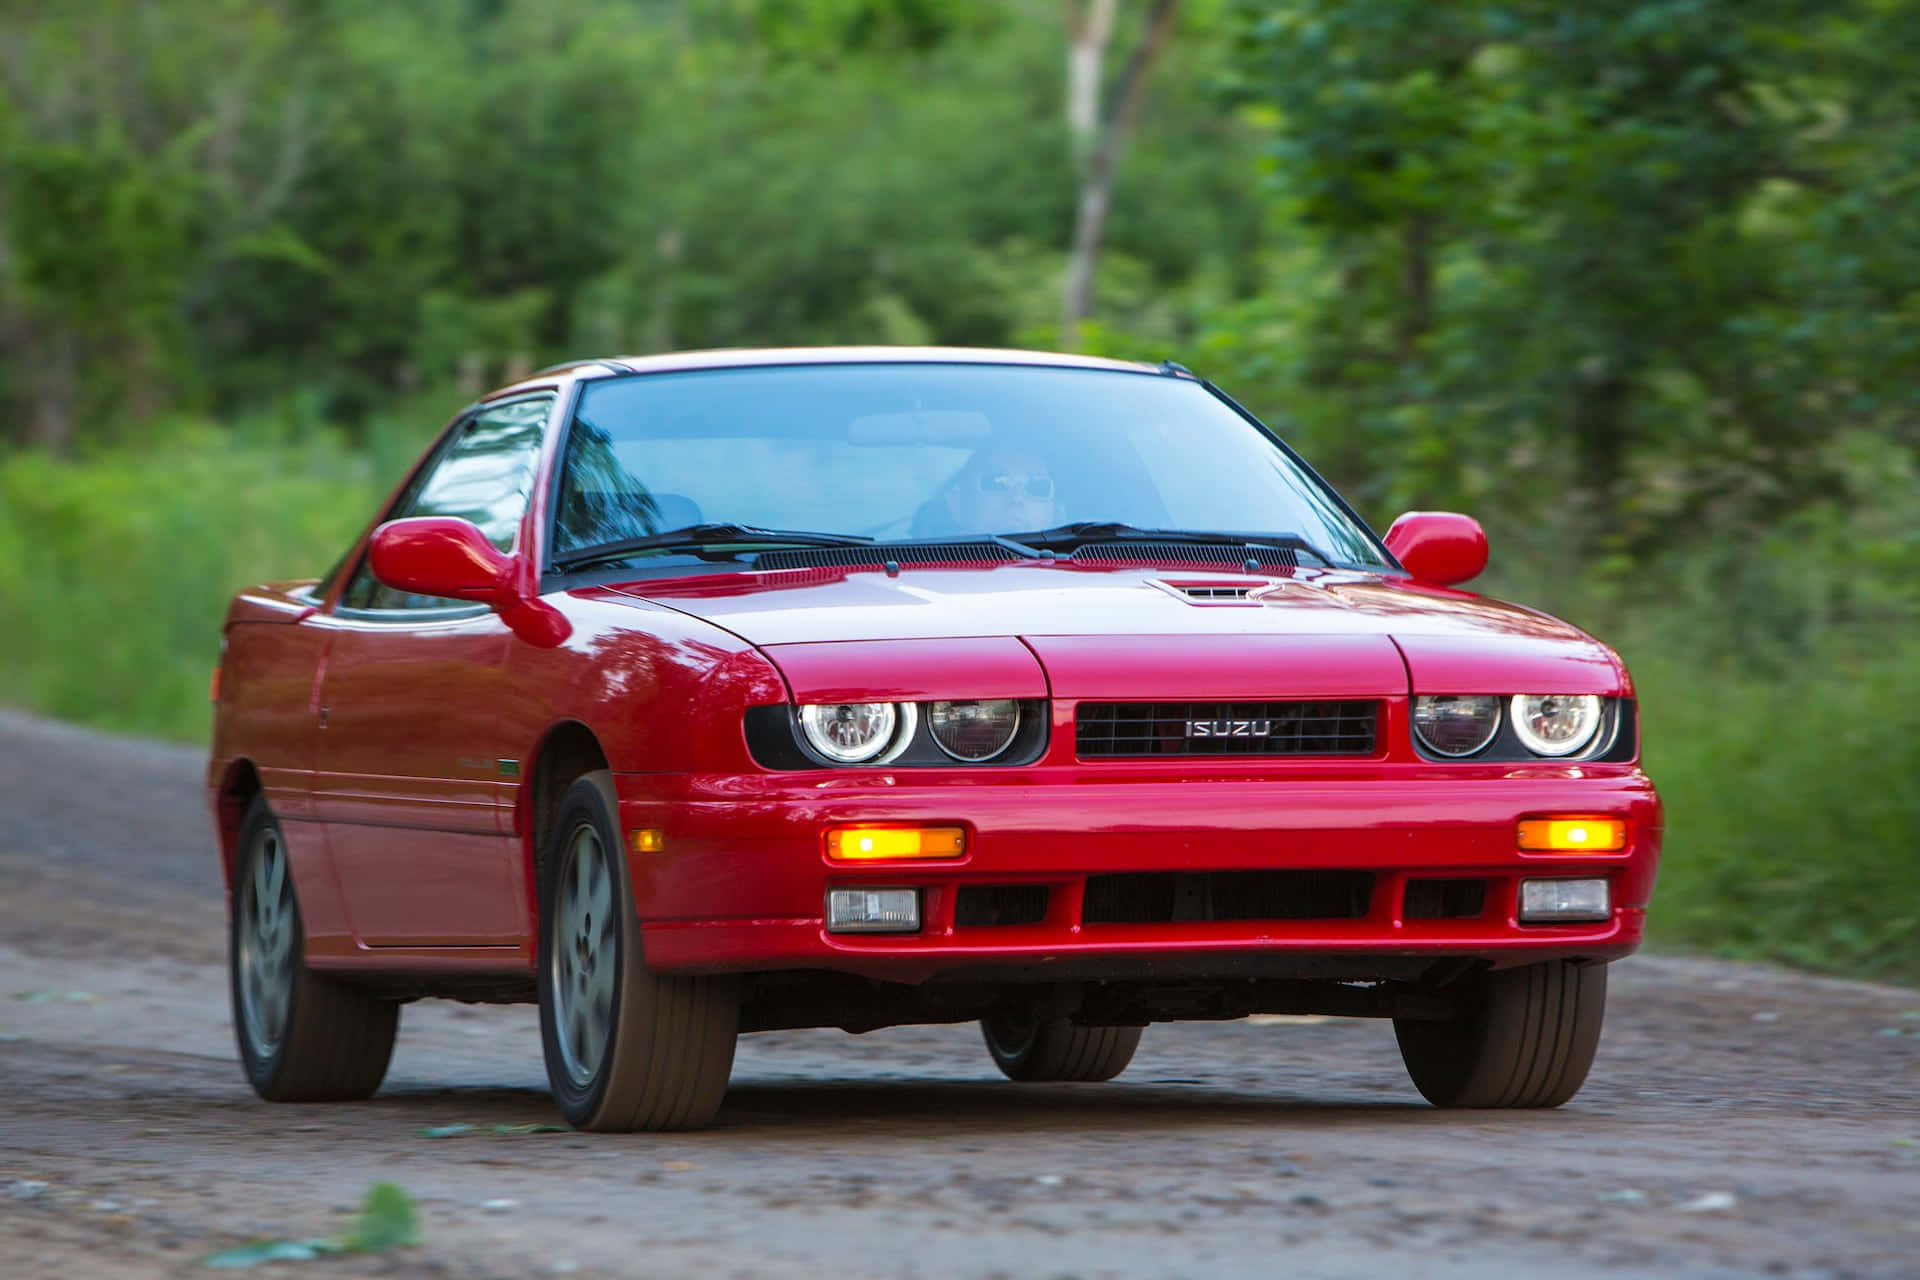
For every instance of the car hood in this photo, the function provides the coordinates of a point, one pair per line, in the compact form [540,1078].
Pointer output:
[1137,632]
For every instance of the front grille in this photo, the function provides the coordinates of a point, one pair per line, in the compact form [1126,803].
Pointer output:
[1000,904]
[1113,729]
[1163,897]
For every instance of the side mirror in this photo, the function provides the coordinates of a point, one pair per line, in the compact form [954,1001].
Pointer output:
[437,556]
[1439,546]
[446,556]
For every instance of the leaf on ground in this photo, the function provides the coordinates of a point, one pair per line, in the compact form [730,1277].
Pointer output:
[458,1130]
[388,1219]
[252,1255]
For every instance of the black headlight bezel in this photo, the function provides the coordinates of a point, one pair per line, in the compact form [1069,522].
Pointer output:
[1615,741]
[776,741]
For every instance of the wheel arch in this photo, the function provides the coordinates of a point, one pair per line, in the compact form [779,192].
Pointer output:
[239,784]
[568,750]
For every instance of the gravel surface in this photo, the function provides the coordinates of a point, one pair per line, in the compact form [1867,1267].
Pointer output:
[1741,1121]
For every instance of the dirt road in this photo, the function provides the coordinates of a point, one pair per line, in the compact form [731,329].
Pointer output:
[1741,1121]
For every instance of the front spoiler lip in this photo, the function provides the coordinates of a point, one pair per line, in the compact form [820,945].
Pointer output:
[1341,951]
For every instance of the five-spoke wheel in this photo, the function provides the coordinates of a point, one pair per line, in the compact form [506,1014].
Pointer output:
[303,1037]
[625,1048]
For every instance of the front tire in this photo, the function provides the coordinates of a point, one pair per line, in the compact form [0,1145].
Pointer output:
[1523,1037]
[1031,1049]
[625,1048]
[303,1037]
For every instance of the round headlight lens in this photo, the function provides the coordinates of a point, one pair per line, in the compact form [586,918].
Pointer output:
[1456,724]
[974,731]
[1555,724]
[849,732]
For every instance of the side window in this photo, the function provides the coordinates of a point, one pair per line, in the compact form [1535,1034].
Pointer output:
[483,474]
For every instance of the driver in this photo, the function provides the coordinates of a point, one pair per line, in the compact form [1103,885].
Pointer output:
[999,490]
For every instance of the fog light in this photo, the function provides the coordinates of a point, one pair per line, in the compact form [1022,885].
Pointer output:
[873,910]
[1550,901]
[876,844]
[1572,835]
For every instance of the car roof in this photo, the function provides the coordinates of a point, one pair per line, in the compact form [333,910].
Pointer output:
[749,357]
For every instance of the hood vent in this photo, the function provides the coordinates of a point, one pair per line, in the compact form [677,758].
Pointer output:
[1209,591]
[876,557]
[1224,555]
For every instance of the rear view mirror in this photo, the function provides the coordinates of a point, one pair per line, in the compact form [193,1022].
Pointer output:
[1439,546]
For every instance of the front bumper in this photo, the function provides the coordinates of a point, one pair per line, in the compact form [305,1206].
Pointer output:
[741,880]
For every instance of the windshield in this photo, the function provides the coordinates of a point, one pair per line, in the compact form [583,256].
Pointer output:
[900,451]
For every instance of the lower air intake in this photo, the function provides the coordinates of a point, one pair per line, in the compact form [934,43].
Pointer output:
[1167,897]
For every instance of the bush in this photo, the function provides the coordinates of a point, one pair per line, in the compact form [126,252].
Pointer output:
[115,571]
[1792,816]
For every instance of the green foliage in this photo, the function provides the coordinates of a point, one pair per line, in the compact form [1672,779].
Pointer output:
[1791,823]
[115,571]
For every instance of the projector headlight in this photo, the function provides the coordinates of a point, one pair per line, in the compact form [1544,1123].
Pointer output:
[1456,724]
[974,731]
[851,732]
[1555,724]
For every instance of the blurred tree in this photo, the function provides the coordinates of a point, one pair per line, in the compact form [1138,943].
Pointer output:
[1551,237]
[1099,145]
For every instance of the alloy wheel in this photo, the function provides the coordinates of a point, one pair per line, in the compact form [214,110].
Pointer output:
[266,945]
[585,956]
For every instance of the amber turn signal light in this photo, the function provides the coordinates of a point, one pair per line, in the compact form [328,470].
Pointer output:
[879,844]
[647,839]
[1572,835]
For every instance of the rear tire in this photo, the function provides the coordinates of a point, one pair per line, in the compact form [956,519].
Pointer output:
[626,1049]
[1523,1037]
[303,1037]
[1031,1049]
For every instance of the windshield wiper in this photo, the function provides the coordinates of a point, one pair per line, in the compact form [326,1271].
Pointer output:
[704,537]
[1071,537]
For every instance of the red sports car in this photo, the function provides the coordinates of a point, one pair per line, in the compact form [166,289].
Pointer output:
[732,691]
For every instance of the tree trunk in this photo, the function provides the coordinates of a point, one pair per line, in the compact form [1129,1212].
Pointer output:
[1090,220]
[1089,27]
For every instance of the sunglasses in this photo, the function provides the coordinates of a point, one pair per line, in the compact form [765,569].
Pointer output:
[1033,488]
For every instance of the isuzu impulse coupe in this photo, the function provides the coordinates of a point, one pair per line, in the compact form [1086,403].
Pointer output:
[732,691]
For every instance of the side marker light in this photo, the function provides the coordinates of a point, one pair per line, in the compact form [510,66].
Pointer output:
[648,839]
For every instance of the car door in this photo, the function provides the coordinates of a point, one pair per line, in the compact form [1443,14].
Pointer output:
[413,780]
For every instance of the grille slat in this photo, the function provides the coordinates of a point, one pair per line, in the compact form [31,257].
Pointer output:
[1347,727]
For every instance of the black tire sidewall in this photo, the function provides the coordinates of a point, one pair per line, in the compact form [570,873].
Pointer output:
[582,802]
